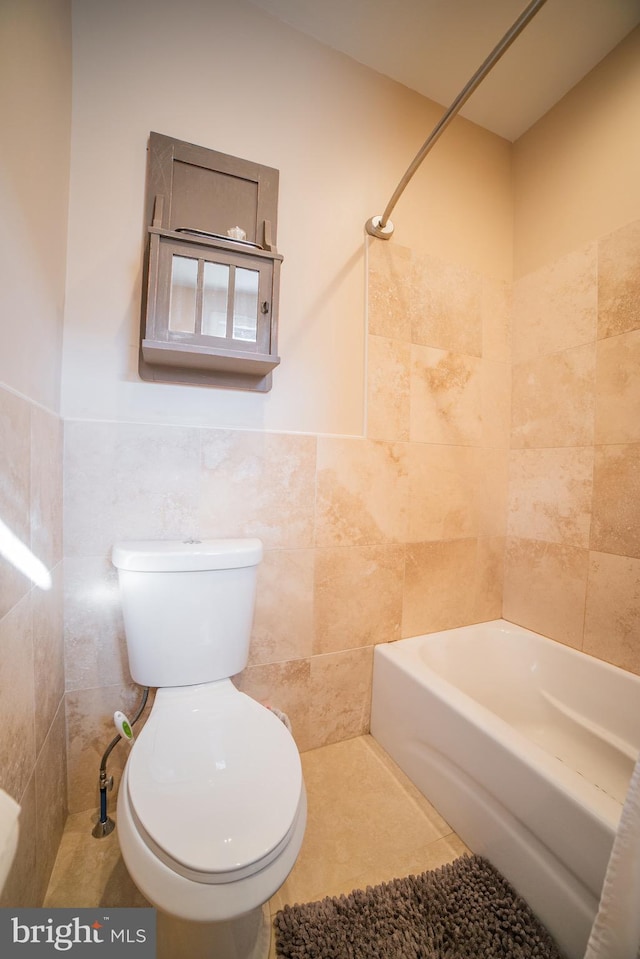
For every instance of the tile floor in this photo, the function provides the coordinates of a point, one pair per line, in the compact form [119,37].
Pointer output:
[367,823]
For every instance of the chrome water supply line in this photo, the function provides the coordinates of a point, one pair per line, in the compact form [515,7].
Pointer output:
[105,825]
[381,226]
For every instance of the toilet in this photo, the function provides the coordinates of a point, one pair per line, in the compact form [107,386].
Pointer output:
[211,808]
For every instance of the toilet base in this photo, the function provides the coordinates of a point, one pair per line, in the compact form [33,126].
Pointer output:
[246,937]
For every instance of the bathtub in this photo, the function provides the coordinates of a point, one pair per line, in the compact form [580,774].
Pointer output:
[525,747]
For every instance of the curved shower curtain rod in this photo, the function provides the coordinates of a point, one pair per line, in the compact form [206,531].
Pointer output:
[381,226]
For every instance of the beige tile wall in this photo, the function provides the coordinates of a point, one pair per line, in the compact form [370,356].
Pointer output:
[403,531]
[439,384]
[573,556]
[367,538]
[32,723]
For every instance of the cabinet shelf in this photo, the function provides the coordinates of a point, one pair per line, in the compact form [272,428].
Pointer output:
[193,357]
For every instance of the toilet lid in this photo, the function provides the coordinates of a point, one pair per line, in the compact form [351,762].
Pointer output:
[214,778]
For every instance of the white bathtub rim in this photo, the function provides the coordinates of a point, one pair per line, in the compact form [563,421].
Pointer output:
[554,666]
[505,627]
[603,808]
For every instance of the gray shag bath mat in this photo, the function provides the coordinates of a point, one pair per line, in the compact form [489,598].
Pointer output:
[464,910]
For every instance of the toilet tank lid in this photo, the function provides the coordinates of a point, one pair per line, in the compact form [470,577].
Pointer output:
[175,556]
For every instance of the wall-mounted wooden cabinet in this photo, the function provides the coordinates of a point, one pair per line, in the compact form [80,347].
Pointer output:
[212,272]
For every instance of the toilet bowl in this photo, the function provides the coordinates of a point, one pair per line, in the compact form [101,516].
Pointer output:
[212,807]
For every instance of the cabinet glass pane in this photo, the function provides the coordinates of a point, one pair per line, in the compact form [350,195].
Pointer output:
[182,302]
[215,295]
[245,305]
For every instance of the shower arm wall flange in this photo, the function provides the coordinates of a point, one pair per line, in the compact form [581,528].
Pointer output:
[381,226]
[374,228]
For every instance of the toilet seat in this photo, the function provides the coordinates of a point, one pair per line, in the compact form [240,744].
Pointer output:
[214,782]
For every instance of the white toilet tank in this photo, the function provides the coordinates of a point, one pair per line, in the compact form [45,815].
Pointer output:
[187,607]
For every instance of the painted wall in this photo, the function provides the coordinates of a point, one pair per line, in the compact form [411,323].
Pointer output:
[573,559]
[339,510]
[224,75]
[576,170]
[35,115]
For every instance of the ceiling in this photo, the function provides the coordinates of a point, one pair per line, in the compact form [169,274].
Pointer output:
[435,46]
